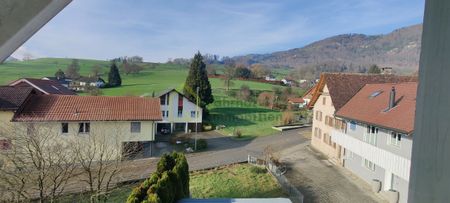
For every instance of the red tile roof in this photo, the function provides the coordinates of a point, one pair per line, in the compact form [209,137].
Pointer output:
[89,108]
[11,98]
[308,94]
[373,109]
[296,100]
[44,86]
[342,86]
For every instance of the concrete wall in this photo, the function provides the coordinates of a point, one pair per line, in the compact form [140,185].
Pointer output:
[382,142]
[401,186]
[430,171]
[327,109]
[355,164]
[6,116]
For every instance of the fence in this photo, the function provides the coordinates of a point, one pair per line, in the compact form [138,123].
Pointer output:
[278,172]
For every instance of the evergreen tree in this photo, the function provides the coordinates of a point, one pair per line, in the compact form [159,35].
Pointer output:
[60,74]
[374,70]
[198,77]
[114,79]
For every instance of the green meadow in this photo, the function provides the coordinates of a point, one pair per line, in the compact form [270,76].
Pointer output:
[252,120]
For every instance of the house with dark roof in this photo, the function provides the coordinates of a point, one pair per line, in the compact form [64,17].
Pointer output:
[11,100]
[63,81]
[329,95]
[43,86]
[179,114]
[377,140]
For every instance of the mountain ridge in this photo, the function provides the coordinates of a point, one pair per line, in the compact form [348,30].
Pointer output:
[398,49]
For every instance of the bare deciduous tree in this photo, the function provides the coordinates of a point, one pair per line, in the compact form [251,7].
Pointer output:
[99,156]
[38,162]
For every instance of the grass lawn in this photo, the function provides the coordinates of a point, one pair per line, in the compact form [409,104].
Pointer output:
[252,120]
[236,181]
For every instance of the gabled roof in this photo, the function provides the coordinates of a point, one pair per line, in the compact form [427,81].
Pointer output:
[296,100]
[167,91]
[89,108]
[370,106]
[171,90]
[309,94]
[11,98]
[342,86]
[44,86]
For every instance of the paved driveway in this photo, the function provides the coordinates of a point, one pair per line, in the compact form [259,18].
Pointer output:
[222,150]
[320,181]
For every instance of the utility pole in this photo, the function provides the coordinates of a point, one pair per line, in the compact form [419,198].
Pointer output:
[196,121]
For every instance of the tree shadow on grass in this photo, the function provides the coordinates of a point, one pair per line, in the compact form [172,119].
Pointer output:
[132,85]
[240,110]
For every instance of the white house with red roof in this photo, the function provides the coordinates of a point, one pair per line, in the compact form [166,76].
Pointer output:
[377,140]
[129,120]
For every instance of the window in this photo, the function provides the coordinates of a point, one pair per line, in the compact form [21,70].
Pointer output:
[30,129]
[64,127]
[84,127]
[163,100]
[135,127]
[371,135]
[350,155]
[317,115]
[329,121]
[192,114]
[163,113]
[369,165]
[5,144]
[180,105]
[352,125]
[395,139]
[317,133]
[324,101]
[320,116]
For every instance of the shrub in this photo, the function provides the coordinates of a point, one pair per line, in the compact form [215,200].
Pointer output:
[266,99]
[168,184]
[238,133]
[166,163]
[258,170]
[287,117]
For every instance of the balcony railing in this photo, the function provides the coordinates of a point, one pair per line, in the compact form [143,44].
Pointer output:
[385,159]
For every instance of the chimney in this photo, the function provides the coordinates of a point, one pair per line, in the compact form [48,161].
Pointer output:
[392,98]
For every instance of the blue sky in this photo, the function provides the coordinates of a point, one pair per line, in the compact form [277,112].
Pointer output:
[158,30]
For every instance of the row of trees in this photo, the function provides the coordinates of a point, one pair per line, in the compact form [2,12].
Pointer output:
[40,164]
[168,184]
[312,72]
[114,78]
